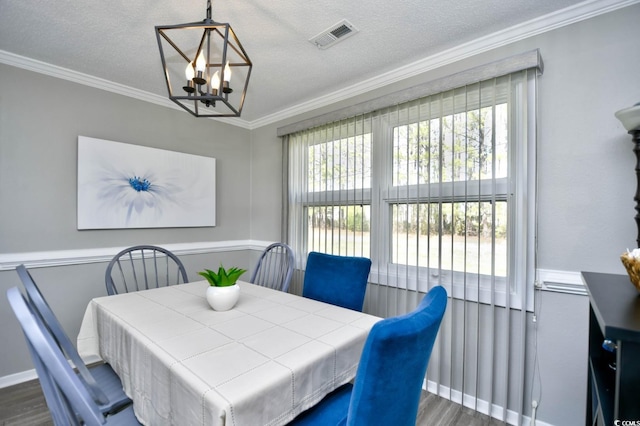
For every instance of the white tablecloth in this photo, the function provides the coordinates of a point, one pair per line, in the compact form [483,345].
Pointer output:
[262,363]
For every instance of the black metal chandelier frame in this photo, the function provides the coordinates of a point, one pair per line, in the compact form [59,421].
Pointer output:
[210,86]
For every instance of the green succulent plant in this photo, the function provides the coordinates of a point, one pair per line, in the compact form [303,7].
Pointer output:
[222,278]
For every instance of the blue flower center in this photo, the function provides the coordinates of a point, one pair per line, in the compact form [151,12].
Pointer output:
[139,184]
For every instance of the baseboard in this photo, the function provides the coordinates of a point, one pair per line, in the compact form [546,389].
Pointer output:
[17,378]
[26,376]
[479,405]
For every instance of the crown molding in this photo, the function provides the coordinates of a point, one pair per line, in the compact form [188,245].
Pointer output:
[99,83]
[552,21]
[540,25]
[81,78]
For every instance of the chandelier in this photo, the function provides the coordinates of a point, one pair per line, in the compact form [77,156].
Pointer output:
[206,68]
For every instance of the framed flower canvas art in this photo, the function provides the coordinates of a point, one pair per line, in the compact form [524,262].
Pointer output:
[129,186]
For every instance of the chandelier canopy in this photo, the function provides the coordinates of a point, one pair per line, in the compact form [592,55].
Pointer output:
[206,68]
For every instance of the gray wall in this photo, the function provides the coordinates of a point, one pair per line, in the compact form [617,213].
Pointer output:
[586,185]
[40,120]
[266,185]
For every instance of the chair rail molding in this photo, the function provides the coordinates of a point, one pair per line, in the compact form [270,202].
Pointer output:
[46,259]
[560,281]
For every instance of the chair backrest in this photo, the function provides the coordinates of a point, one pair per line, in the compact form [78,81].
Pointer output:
[274,268]
[64,392]
[143,267]
[393,364]
[339,280]
[41,307]
[59,408]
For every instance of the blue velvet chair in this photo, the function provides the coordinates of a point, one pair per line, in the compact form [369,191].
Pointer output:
[339,280]
[388,384]
[67,397]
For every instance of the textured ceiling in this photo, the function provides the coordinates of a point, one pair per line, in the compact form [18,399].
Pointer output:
[115,40]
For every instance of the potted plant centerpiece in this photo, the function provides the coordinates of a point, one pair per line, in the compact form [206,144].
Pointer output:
[223,291]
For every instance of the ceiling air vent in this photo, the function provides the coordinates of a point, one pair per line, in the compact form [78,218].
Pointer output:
[334,34]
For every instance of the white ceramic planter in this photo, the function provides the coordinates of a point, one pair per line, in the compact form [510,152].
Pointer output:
[223,298]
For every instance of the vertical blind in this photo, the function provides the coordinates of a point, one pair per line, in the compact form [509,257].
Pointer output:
[436,191]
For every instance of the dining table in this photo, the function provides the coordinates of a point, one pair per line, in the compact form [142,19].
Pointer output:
[263,362]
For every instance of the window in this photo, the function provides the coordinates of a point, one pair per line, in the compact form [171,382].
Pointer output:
[435,191]
[335,193]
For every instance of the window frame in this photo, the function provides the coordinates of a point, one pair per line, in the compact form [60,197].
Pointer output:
[519,192]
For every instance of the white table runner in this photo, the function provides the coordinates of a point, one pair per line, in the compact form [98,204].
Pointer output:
[262,363]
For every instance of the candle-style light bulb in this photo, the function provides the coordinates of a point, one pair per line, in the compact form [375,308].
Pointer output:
[227,73]
[215,83]
[201,64]
[226,76]
[189,72]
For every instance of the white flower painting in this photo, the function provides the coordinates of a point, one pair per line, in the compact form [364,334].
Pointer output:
[130,186]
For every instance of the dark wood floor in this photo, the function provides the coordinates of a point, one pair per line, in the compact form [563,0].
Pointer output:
[24,405]
[437,411]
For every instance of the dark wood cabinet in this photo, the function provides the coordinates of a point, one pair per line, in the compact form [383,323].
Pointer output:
[613,391]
